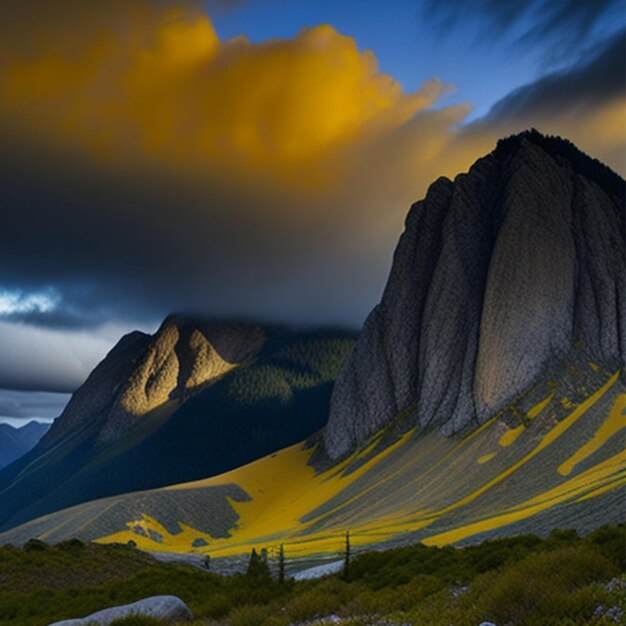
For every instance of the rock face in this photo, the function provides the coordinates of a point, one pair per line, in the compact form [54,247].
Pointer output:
[143,372]
[496,274]
[167,608]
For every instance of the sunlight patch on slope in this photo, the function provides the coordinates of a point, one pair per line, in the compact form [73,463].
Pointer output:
[548,439]
[607,475]
[612,425]
[283,488]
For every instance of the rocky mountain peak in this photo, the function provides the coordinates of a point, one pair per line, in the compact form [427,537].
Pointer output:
[497,274]
[145,372]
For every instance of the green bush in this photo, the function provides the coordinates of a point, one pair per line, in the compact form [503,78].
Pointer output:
[522,581]
[35,545]
[215,606]
[312,603]
[542,586]
[276,620]
[610,540]
[249,615]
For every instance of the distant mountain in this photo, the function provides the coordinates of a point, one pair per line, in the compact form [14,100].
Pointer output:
[195,399]
[15,442]
[485,396]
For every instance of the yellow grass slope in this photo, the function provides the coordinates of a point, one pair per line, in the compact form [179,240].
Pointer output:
[423,486]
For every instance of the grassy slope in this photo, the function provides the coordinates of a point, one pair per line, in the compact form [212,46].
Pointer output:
[281,399]
[565,467]
[523,580]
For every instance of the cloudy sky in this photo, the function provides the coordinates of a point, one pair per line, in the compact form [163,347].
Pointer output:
[256,158]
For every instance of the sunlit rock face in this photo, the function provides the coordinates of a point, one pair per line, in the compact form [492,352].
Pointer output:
[144,372]
[513,264]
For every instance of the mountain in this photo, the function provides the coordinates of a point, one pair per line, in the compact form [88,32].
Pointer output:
[195,399]
[15,442]
[498,275]
[485,395]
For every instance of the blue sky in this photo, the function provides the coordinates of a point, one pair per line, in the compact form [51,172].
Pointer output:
[483,62]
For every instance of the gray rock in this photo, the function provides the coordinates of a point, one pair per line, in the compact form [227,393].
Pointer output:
[166,608]
[496,274]
[142,372]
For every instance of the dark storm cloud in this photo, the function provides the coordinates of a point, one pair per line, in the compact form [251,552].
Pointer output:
[38,358]
[562,24]
[57,318]
[140,248]
[585,103]
[601,79]
[148,167]
[24,405]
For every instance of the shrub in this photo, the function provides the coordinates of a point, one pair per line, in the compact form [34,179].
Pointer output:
[71,545]
[312,603]
[611,542]
[540,587]
[525,581]
[249,615]
[35,545]
[276,620]
[216,606]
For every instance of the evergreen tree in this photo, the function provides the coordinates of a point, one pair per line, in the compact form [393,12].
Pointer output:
[281,564]
[257,567]
[346,561]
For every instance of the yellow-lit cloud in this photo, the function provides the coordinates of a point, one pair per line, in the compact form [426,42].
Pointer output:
[143,83]
[162,88]
[270,179]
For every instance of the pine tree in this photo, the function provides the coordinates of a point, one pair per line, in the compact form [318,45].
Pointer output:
[346,562]
[257,567]
[281,564]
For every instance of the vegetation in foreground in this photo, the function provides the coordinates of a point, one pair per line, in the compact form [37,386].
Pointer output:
[564,580]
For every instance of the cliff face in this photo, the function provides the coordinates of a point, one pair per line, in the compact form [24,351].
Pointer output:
[143,372]
[498,273]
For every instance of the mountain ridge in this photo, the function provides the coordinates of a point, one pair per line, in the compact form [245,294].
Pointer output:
[193,399]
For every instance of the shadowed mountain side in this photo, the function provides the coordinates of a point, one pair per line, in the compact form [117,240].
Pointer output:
[497,273]
[206,508]
[198,430]
[554,458]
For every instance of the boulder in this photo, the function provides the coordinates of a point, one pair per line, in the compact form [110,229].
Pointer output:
[166,608]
